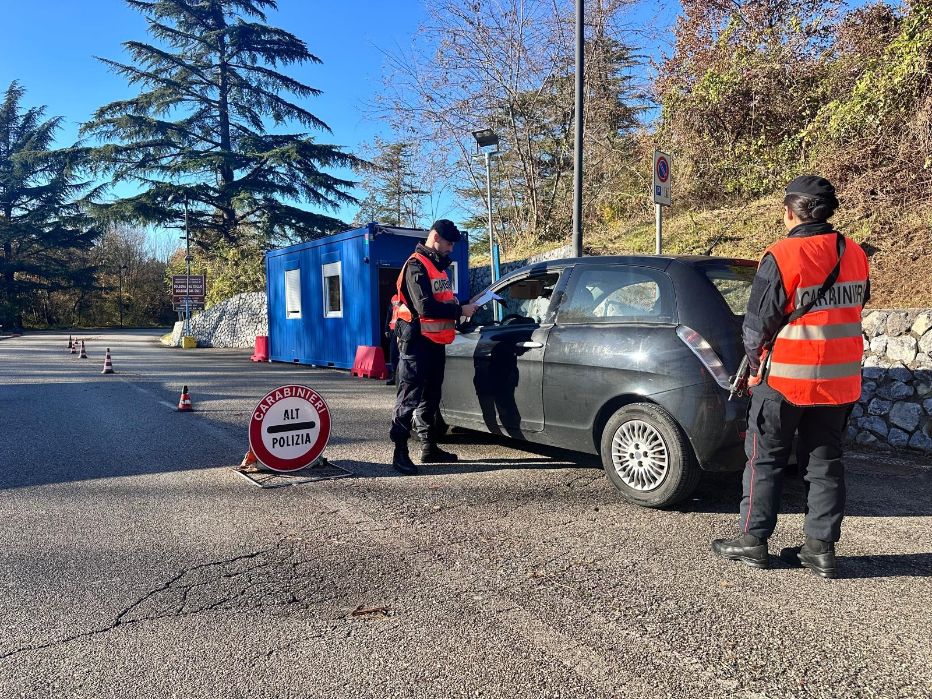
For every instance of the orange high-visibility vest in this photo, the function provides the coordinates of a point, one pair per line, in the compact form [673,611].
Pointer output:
[816,359]
[439,330]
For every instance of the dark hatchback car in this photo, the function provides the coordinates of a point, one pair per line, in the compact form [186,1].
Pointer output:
[626,357]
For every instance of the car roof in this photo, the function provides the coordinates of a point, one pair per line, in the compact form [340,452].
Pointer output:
[660,262]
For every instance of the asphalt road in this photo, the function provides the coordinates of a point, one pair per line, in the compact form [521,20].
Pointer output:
[135,563]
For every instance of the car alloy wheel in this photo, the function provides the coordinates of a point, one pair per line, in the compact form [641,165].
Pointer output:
[647,456]
[639,455]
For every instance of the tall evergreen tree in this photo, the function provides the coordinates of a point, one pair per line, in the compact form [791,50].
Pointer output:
[393,193]
[43,226]
[201,128]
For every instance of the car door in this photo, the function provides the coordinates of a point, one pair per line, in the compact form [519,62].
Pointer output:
[495,366]
[608,339]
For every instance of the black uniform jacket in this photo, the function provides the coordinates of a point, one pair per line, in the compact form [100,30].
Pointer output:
[419,296]
[765,315]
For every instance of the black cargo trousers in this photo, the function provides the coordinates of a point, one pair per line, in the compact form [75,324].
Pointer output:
[772,423]
[421,364]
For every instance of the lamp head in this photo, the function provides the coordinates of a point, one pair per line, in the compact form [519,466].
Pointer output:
[485,138]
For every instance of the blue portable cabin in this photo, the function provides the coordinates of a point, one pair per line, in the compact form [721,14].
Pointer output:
[328,296]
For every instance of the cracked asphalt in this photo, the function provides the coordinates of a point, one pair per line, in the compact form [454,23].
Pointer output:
[135,563]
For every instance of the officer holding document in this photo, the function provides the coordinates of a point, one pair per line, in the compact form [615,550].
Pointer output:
[425,312]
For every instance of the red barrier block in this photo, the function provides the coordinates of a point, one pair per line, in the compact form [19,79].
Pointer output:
[370,363]
[261,353]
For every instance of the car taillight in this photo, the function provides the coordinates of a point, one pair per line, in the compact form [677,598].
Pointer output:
[702,349]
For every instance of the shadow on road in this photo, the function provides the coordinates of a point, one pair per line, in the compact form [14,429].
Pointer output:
[886,566]
[887,487]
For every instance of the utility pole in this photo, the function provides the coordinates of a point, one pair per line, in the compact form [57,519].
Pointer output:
[578,157]
[187,281]
[122,267]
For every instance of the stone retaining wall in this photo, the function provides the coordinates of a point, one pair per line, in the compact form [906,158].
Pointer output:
[895,409]
[232,323]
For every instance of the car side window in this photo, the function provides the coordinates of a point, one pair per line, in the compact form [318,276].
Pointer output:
[617,295]
[524,300]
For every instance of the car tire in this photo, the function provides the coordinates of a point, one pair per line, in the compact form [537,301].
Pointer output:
[647,457]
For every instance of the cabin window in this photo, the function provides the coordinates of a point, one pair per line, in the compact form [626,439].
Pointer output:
[292,293]
[333,290]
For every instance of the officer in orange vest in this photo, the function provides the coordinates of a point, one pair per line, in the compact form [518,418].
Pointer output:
[425,313]
[802,335]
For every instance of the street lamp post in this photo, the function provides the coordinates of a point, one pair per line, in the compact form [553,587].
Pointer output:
[487,146]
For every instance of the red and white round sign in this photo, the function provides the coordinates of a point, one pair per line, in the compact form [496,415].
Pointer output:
[290,428]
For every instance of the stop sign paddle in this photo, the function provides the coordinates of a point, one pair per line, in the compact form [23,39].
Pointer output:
[290,428]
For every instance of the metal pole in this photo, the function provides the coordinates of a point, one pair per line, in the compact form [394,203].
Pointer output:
[488,203]
[121,294]
[659,215]
[187,281]
[578,158]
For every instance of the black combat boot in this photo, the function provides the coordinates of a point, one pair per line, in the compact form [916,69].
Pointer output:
[747,548]
[401,460]
[432,454]
[815,554]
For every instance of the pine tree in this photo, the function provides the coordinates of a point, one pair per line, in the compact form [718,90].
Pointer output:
[393,194]
[204,127]
[43,227]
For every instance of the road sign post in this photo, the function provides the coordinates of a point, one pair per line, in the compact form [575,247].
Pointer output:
[188,294]
[290,428]
[663,169]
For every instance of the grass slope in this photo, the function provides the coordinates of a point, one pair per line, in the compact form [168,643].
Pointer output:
[900,257]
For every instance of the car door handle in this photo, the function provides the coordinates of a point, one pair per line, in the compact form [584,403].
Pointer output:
[529,345]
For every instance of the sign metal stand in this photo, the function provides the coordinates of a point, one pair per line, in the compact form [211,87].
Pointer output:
[663,167]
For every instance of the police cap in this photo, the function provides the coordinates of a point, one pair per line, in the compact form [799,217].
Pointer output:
[812,186]
[447,230]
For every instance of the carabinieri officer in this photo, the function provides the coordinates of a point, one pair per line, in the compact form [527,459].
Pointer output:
[802,335]
[424,316]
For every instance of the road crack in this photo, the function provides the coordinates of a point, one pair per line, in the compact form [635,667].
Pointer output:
[181,586]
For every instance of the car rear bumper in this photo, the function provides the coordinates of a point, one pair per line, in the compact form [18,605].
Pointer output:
[714,425]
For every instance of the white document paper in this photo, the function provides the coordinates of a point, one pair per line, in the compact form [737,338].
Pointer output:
[483,299]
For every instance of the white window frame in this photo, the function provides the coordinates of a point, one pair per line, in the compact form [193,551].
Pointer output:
[293,294]
[332,269]
[453,273]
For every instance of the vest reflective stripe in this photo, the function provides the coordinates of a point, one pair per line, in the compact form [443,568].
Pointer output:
[839,295]
[436,326]
[816,359]
[820,332]
[814,371]
[439,330]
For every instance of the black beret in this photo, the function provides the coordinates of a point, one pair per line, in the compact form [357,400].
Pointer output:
[447,230]
[812,186]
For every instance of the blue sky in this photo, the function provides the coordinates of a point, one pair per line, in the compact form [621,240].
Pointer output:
[49,46]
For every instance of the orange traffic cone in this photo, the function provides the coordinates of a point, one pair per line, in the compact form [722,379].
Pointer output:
[70,343]
[108,365]
[83,353]
[249,462]
[74,347]
[184,403]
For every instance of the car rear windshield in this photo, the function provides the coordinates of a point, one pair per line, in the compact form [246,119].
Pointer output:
[733,282]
